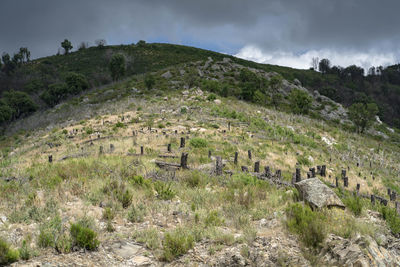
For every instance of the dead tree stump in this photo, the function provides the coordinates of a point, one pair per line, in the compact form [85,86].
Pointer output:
[218,166]
[249,154]
[312,170]
[337,181]
[257,167]
[169,148]
[298,175]
[372,199]
[346,181]
[323,170]
[50,158]
[209,153]
[141,150]
[184,157]
[245,169]
[112,148]
[267,172]
[182,142]
[278,174]
[235,161]
[343,174]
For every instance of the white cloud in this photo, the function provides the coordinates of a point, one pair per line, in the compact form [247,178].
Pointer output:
[303,60]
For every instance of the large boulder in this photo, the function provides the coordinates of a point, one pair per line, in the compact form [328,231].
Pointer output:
[317,194]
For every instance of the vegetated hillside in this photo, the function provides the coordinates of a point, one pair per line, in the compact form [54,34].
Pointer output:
[92,188]
[48,81]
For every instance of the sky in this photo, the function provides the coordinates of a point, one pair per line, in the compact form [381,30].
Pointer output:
[281,32]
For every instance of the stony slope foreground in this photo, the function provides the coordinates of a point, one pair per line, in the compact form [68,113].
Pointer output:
[178,176]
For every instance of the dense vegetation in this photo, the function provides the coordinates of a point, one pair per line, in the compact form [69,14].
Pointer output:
[45,82]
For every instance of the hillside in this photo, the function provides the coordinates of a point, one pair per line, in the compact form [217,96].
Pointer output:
[44,79]
[99,179]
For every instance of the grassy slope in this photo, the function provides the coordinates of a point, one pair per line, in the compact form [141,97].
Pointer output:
[239,202]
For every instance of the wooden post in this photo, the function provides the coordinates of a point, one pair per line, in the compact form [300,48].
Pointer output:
[249,154]
[372,199]
[245,169]
[50,158]
[257,166]
[298,175]
[169,148]
[182,142]
[235,161]
[141,150]
[184,157]
[358,188]
[346,181]
[218,166]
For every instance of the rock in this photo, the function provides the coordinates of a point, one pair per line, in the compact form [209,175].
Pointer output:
[167,75]
[182,72]
[317,194]
[297,82]
[217,101]
[185,93]
[126,250]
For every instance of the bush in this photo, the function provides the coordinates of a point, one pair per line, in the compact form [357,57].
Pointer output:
[76,83]
[108,214]
[125,198]
[137,213]
[25,252]
[194,179]
[7,255]
[176,243]
[309,225]
[49,233]
[391,217]
[211,97]
[117,66]
[84,237]
[300,101]
[164,190]
[354,203]
[213,219]
[149,81]
[198,142]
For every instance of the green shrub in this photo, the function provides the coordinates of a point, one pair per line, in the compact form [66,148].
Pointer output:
[198,142]
[164,190]
[7,254]
[391,217]
[49,232]
[83,237]
[194,179]
[177,243]
[354,203]
[108,214]
[213,219]
[139,180]
[25,252]
[211,97]
[137,213]
[309,225]
[149,237]
[125,198]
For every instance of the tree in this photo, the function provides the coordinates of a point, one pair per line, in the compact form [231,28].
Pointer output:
[25,53]
[149,81]
[300,101]
[19,102]
[66,45]
[362,115]
[324,65]
[9,65]
[100,43]
[76,82]
[314,63]
[5,112]
[117,66]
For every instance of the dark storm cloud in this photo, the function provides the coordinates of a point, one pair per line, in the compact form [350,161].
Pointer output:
[287,25]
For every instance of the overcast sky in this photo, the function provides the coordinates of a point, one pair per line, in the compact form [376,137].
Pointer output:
[283,32]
